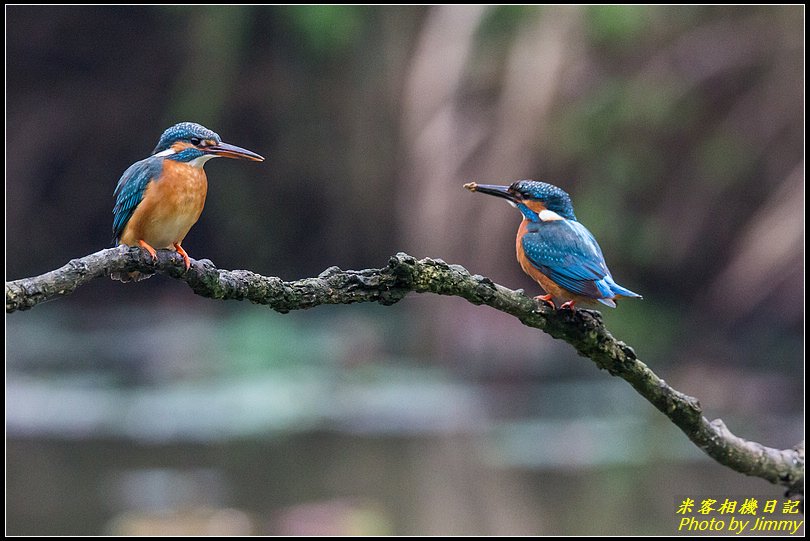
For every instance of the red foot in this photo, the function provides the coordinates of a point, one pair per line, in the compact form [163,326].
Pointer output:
[183,253]
[145,246]
[569,305]
[546,299]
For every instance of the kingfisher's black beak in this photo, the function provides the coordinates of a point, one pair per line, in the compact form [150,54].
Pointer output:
[493,189]
[232,151]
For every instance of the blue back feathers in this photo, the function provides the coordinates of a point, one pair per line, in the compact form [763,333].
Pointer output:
[129,191]
[564,250]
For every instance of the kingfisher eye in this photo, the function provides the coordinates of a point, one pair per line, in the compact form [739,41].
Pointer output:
[195,141]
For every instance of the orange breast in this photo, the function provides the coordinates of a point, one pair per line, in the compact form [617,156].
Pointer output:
[170,206]
[544,281]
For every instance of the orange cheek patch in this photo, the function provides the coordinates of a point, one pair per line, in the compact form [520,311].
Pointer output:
[180,146]
[536,206]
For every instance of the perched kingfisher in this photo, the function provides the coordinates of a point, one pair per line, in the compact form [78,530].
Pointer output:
[158,199]
[555,249]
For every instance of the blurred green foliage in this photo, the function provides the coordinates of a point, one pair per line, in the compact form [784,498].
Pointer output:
[328,31]
[617,25]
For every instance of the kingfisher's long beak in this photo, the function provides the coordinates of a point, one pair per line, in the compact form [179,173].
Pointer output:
[493,189]
[232,151]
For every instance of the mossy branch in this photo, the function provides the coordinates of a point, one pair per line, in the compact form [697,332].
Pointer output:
[582,329]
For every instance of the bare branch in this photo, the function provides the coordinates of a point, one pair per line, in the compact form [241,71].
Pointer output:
[582,329]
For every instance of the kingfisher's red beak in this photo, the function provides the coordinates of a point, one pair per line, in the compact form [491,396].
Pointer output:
[232,151]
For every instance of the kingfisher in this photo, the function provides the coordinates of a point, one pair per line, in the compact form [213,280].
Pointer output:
[158,199]
[557,251]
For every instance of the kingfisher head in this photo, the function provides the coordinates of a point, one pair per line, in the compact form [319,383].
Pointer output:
[195,144]
[538,201]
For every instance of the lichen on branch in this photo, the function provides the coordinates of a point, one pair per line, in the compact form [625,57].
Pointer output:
[583,329]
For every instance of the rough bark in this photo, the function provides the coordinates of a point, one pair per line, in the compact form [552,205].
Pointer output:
[583,329]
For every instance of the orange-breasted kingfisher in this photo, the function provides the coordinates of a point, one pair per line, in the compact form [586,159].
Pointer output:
[158,199]
[557,251]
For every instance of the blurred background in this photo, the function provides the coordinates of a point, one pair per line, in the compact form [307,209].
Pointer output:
[141,408]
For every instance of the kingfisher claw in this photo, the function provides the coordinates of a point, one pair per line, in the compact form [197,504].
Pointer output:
[145,245]
[186,260]
[569,305]
[546,299]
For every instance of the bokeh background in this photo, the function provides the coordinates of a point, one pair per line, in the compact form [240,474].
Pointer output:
[141,408]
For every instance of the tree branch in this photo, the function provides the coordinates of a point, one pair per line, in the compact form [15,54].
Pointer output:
[582,329]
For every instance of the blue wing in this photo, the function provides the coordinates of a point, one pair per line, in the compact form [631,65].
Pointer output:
[566,252]
[129,192]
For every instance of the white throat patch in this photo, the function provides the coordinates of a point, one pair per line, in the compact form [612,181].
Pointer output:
[549,215]
[199,162]
[168,152]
